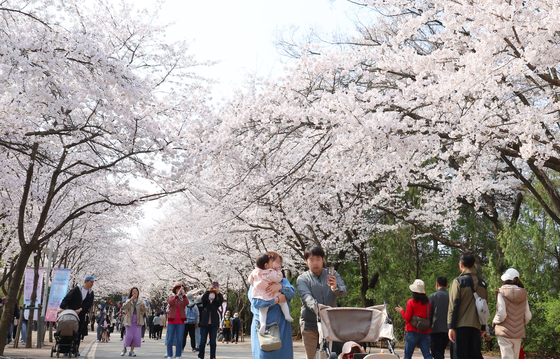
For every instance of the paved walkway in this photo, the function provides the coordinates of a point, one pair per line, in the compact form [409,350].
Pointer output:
[91,349]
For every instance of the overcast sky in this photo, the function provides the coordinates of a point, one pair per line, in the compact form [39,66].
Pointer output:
[240,33]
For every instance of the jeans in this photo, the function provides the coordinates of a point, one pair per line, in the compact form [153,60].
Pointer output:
[197,336]
[23,333]
[204,331]
[174,336]
[416,339]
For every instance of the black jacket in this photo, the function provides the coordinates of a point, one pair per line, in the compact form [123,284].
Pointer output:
[210,310]
[73,300]
[440,305]
[236,324]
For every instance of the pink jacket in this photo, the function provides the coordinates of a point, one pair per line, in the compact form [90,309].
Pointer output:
[260,278]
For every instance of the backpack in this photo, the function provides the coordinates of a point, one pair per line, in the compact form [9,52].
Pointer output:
[191,315]
[227,322]
[481,307]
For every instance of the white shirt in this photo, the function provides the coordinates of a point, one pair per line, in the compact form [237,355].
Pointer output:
[501,313]
[84,293]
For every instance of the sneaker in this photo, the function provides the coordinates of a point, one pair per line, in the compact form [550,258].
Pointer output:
[143,340]
[132,354]
[123,352]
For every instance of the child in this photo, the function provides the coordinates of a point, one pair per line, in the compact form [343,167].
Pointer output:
[267,271]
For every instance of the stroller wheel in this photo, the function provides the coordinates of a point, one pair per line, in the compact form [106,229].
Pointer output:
[333,356]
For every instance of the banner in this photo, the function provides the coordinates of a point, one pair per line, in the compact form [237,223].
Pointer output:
[28,289]
[59,288]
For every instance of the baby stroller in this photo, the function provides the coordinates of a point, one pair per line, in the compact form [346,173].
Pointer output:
[361,325]
[67,334]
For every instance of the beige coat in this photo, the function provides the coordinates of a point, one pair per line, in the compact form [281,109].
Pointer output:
[140,310]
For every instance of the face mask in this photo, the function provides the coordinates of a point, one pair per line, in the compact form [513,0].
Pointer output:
[212,296]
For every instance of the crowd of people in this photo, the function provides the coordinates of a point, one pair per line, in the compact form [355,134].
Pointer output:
[444,318]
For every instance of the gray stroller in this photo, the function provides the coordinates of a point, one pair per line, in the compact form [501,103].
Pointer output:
[361,325]
[67,334]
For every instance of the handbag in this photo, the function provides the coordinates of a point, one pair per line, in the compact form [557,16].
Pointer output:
[270,340]
[422,324]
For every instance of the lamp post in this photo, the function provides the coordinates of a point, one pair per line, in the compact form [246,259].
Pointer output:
[40,328]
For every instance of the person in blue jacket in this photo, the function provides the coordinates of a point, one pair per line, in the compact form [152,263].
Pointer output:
[274,315]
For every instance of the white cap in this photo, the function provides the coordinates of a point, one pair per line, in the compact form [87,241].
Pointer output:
[417,286]
[510,274]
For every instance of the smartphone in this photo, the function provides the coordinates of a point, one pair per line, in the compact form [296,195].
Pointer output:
[216,285]
[330,271]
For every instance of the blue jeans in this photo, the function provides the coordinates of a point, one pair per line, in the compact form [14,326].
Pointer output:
[23,333]
[204,331]
[416,339]
[174,337]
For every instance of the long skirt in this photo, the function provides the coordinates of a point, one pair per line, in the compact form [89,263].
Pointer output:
[133,334]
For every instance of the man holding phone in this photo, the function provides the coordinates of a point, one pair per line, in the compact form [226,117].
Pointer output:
[317,286]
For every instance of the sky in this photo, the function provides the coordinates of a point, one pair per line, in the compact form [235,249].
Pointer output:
[240,33]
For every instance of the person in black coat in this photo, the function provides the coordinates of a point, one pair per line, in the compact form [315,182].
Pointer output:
[210,320]
[80,299]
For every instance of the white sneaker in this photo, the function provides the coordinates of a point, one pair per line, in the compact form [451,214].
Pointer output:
[123,352]
[132,354]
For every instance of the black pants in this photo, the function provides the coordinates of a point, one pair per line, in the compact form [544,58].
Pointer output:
[467,343]
[438,343]
[235,335]
[123,329]
[189,330]
[227,334]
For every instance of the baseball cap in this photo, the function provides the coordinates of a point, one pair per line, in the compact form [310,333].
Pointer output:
[89,278]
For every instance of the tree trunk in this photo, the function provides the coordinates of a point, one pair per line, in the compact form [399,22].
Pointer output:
[11,298]
[28,340]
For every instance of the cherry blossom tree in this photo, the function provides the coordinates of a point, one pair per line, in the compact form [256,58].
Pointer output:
[93,99]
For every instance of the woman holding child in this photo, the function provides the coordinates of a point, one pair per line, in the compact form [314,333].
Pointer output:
[273,305]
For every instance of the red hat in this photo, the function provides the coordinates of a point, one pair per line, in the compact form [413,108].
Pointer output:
[178,285]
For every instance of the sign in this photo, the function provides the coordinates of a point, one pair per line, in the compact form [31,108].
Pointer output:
[59,288]
[28,290]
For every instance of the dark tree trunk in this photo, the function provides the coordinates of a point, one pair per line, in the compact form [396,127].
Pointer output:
[28,340]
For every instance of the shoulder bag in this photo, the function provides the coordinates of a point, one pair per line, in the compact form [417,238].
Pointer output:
[422,324]
[270,340]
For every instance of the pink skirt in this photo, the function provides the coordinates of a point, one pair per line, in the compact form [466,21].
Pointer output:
[133,334]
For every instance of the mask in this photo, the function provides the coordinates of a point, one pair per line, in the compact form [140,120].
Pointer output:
[212,296]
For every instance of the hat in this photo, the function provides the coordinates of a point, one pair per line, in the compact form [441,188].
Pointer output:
[190,297]
[178,285]
[89,279]
[510,274]
[347,349]
[417,286]
[236,315]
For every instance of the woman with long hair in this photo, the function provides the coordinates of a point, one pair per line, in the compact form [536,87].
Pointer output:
[512,313]
[418,305]
[133,321]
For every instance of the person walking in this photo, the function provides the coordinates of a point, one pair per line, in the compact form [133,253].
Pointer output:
[464,326]
[176,321]
[200,306]
[439,301]
[226,326]
[133,321]
[212,300]
[418,305]
[150,325]
[512,314]
[157,325]
[274,314]
[80,300]
[191,323]
[162,323]
[235,328]
[317,286]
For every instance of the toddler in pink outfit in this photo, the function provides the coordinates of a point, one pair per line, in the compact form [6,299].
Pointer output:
[268,271]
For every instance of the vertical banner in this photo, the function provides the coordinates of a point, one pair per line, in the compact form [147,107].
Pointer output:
[59,288]
[28,290]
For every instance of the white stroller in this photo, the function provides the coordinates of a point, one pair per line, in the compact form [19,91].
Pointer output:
[361,325]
